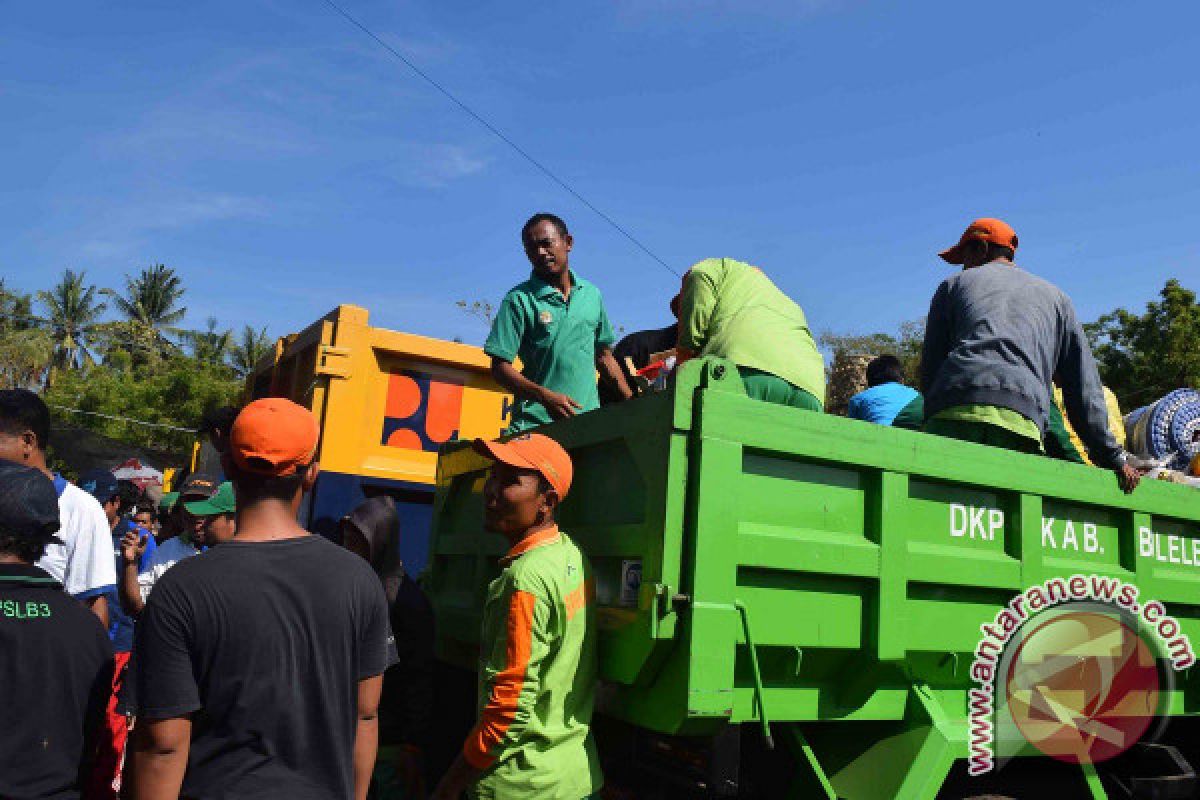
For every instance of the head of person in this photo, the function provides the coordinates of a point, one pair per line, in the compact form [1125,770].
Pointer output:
[271,458]
[28,512]
[216,425]
[530,477]
[985,240]
[198,486]
[101,484]
[145,517]
[547,245]
[372,530]
[217,515]
[24,428]
[885,369]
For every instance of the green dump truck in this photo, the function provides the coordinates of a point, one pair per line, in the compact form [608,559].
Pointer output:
[798,605]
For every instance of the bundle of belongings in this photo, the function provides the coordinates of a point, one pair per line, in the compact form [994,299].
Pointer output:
[1168,434]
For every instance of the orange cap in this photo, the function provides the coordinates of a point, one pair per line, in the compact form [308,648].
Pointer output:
[536,452]
[274,437]
[984,229]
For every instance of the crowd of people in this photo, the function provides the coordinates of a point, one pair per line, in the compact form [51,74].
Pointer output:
[208,646]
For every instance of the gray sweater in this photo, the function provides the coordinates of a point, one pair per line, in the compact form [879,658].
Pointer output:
[997,336]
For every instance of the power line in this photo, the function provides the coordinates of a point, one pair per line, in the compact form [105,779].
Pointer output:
[123,419]
[500,135]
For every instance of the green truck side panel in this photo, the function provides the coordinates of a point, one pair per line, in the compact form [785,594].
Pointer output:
[866,558]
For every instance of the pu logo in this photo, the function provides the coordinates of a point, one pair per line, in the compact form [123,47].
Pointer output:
[422,412]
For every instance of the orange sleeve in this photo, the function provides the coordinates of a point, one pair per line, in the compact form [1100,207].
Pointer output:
[507,686]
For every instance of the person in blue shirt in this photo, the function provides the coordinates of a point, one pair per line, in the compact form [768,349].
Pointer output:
[887,395]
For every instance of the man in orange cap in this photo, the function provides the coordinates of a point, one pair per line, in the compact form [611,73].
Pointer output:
[277,640]
[994,340]
[538,648]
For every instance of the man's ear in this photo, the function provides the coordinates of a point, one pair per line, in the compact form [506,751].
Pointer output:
[310,476]
[550,501]
[29,443]
[570,240]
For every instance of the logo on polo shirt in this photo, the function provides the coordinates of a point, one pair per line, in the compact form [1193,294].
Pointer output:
[545,317]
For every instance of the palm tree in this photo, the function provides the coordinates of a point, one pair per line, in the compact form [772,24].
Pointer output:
[152,300]
[16,310]
[71,316]
[210,346]
[249,350]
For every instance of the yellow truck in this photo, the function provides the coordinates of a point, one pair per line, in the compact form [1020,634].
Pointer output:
[386,402]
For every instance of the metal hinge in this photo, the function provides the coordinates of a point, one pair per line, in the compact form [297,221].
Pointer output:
[333,362]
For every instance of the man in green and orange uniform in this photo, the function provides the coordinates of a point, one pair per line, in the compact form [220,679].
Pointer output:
[537,674]
[731,309]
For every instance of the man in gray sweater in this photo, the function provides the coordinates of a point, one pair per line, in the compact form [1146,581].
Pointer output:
[995,339]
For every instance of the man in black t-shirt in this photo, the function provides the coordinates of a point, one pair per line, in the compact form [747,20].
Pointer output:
[261,661]
[56,660]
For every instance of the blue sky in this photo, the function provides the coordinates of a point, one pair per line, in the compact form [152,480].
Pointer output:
[283,163]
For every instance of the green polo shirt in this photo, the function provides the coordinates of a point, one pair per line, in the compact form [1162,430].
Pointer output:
[733,310]
[557,340]
[537,677]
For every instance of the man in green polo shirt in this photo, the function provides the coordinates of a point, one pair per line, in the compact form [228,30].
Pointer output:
[731,309]
[556,324]
[537,671]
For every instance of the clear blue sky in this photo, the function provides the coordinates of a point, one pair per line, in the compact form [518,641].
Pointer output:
[283,163]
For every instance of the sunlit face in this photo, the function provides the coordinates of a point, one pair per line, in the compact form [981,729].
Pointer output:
[513,500]
[547,249]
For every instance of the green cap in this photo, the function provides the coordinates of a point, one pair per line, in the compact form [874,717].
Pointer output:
[220,503]
[168,501]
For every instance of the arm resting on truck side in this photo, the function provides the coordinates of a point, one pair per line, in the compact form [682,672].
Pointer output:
[611,373]
[559,405]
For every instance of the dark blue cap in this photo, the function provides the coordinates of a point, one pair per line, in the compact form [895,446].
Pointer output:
[100,484]
[28,502]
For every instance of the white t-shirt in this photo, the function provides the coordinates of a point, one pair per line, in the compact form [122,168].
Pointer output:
[165,556]
[83,562]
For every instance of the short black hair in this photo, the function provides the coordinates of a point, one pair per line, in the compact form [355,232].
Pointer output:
[995,251]
[269,487]
[218,419]
[129,494]
[26,548]
[21,410]
[544,216]
[144,507]
[885,369]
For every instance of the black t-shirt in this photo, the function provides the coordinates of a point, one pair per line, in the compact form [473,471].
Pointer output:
[638,347]
[406,708]
[56,667]
[266,642]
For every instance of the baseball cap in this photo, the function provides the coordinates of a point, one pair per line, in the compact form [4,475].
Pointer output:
[167,502]
[222,502]
[198,484]
[536,452]
[100,484]
[274,437]
[28,502]
[984,229]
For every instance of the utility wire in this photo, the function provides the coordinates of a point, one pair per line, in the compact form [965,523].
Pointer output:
[123,419]
[500,135]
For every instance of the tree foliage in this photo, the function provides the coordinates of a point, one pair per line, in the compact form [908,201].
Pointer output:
[250,348]
[1144,356]
[905,344]
[72,312]
[152,300]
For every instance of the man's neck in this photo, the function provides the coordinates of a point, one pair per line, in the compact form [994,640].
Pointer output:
[513,541]
[561,281]
[266,521]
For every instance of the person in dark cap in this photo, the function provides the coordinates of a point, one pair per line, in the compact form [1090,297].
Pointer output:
[372,530]
[55,658]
